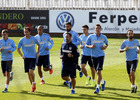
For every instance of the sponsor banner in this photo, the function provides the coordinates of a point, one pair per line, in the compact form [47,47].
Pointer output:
[116,21]
[16,20]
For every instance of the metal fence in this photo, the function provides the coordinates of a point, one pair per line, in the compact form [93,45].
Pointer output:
[70,4]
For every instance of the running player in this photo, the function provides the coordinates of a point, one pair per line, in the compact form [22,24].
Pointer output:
[29,54]
[86,56]
[7,47]
[43,59]
[98,43]
[75,40]
[130,47]
[69,55]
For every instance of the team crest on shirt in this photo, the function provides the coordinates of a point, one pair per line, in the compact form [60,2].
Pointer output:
[70,48]
[32,42]
[8,43]
[44,39]
[134,44]
[101,39]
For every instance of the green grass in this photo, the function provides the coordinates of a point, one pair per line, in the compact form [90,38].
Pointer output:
[117,87]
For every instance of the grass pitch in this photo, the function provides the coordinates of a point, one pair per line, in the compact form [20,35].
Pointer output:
[117,86]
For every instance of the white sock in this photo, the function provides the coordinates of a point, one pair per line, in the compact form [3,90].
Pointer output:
[98,86]
[102,81]
[73,89]
[93,80]
[33,82]
[6,86]
[42,78]
[87,76]
[133,85]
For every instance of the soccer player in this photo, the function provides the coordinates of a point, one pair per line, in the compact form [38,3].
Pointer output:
[69,55]
[86,56]
[29,55]
[75,40]
[43,59]
[98,43]
[130,47]
[7,47]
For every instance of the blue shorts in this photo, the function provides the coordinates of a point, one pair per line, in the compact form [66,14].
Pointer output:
[43,60]
[6,66]
[131,65]
[29,63]
[68,71]
[85,59]
[98,62]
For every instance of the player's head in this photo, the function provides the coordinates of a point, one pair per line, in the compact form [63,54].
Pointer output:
[27,31]
[85,29]
[130,34]
[40,29]
[68,37]
[98,28]
[4,34]
[68,26]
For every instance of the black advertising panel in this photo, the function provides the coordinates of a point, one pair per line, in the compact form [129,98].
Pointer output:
[16,20]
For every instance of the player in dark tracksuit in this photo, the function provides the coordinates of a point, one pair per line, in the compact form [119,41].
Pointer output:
[69,55]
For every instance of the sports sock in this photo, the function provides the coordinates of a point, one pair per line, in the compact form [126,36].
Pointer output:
[98,86]
[6,86]
[87,77]
[42,78]
[102,81]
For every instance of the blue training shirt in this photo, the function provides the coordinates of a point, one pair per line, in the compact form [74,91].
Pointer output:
[131,53]
[28,46]
[99,41]
[44,40]
[85,51]
[75,38]
[7,45]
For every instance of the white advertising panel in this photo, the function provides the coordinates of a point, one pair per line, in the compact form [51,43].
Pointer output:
[116,21]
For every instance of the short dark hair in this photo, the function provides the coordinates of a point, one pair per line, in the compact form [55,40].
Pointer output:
[68,23]
[40,26]
[129,30]
[69,34]
[85,26]
[5,31]
[27,28]
[98,25]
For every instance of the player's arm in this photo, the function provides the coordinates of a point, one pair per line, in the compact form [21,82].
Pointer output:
[88,43]
[124,49]
[78,39]
[138,49]
[51,43]
[18,49]
[13,47]
[106,44]
[61,53]
[38,48]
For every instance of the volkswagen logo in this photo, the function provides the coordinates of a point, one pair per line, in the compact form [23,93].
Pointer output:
[63,18]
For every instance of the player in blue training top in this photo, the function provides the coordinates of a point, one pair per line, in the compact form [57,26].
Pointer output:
[75,40]
[43,59]
[69,55]
[98,43]
[86,56]
[130,47]
[29,54]
[7,47]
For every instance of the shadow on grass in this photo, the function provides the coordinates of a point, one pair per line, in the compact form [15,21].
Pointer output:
[78,96]
[73,96]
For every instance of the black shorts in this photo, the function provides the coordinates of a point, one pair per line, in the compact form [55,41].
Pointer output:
[44,60]
[85,59]
[6,66]
[66,72]
[29,63]
[98,62]
[131,65]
